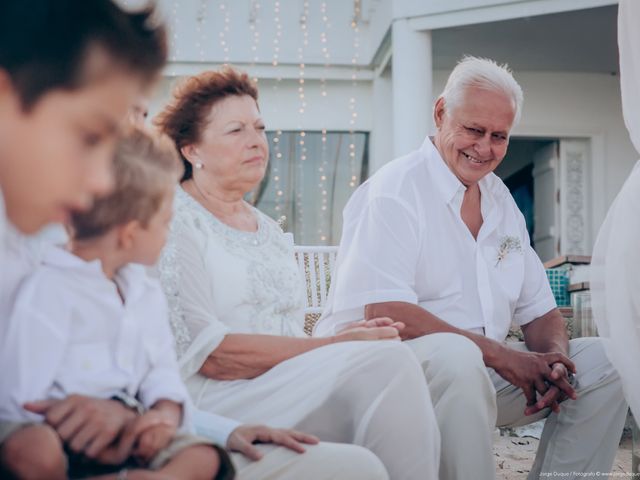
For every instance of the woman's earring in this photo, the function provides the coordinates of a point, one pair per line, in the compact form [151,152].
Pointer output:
[198,165]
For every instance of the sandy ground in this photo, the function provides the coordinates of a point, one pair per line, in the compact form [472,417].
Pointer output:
[514,457]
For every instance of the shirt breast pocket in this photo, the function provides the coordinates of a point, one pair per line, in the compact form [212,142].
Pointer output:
[507,271]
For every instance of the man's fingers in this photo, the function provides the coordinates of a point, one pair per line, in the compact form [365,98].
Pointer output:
[565,387]
[529,394]
[560,358]
[541,387]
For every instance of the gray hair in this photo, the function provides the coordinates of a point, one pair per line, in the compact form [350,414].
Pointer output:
[482,73]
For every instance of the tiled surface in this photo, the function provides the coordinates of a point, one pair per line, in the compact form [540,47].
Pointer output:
[559,281]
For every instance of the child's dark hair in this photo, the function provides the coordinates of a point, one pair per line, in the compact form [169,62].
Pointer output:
[146,166]
[45,44]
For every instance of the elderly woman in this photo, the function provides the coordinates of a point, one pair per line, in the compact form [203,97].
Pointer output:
[236,299]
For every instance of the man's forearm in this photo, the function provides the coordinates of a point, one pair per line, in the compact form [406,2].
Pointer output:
[547,333]
[419,322]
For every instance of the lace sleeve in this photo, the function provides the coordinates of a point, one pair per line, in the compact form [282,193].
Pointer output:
[187,286]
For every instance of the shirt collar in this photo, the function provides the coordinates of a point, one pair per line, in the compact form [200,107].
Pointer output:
[446,182]
[132,279]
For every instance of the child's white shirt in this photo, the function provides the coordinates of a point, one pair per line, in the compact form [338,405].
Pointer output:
[71,333]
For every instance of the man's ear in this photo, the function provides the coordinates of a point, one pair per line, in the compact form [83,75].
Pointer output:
[190,152]
[439,112]
[127,234]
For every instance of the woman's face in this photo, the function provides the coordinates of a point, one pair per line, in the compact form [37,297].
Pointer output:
[233,148]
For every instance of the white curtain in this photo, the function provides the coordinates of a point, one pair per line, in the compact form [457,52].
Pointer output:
[615,270]
[310,180]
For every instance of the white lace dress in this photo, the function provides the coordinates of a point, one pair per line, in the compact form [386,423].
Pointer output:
[219,280]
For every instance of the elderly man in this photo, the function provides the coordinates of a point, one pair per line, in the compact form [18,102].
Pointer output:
[434,240]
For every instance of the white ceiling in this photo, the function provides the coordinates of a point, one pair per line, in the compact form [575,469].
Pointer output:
[576,41]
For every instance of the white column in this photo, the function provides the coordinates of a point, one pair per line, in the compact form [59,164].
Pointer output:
[381,136]
[412,86]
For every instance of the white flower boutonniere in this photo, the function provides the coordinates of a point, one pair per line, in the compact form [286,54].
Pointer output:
[508,244]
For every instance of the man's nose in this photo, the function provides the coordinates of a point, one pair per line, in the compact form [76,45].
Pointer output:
[483,145]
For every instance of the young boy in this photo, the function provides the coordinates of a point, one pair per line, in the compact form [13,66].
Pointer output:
[90,321]
[69,70]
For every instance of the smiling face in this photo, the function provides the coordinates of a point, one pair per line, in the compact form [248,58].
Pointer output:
[233,146]
[56,157]
[473,137]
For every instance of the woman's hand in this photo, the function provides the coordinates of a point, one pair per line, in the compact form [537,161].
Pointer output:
[242,439]
[373,323]
[379,328]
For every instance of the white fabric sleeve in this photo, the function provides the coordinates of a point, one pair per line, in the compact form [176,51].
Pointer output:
[615,283]
[536,297]
[214,427]
[188,289]
[162,381]
[378,256]
[32,348]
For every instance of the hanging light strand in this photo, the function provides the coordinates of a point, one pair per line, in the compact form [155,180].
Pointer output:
[224,33]
[175,20]
[254,26]
[353,180]
[201,35]
[323,214]
[301,110]
[276,148]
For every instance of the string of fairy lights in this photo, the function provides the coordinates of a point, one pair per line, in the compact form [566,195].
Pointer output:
[353,181]
[266,23]
[225,12]
[254,26]
[201,29]
[300,212]
[277,153]
[323,214]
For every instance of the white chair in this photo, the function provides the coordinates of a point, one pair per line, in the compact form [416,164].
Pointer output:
[316,264]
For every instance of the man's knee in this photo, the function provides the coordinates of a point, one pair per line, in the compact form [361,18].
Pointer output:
[34,452]
[348,462]
[454,368]
[592,364]
[448,354]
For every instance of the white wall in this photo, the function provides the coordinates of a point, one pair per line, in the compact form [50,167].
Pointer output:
[279,104]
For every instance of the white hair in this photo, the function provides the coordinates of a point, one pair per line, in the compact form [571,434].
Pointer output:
[482,73]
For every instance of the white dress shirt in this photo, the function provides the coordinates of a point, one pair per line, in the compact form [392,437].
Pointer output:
[404,240]
[70,332]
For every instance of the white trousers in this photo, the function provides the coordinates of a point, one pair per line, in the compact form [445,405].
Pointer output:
[471,400]
[370,394]
[324,461]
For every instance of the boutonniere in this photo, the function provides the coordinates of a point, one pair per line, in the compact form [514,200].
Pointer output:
[508,244]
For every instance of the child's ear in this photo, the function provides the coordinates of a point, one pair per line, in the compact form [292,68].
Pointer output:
[127,234]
